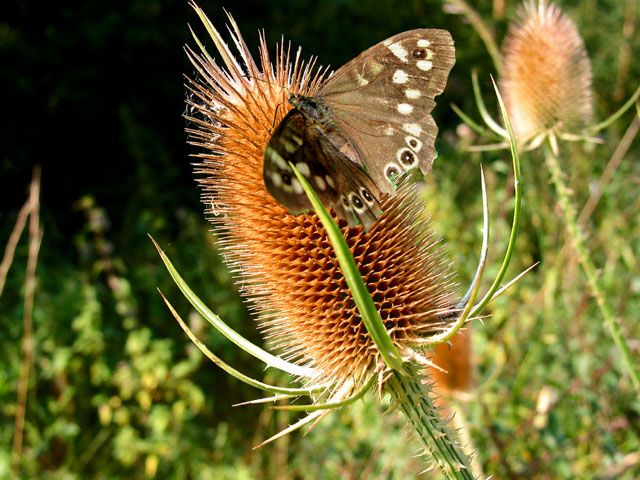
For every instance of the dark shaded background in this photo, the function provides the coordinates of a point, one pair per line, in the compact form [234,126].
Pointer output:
[94,92]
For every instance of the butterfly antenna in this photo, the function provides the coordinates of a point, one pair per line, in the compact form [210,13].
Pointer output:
[275,116]
[265,81]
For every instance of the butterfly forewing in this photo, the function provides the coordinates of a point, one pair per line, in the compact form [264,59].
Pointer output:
[413,61]
[381,100]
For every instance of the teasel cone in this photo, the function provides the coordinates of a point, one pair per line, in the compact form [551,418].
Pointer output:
[454,372]
[283,263]
[546,76]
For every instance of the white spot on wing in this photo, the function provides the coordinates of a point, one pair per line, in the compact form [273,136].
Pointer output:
[290,147]
[297,187]
[389,131]
[277,159]
[423,42]
[375,68]
[400,76]
[304,169]
[412,129]
[320,183]
[399,51]
[361,80]
[276,179]
[412,93]
[425,65]
[330,182]
[405,108]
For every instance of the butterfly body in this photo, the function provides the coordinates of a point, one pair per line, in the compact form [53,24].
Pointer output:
[312,108]
[364,127]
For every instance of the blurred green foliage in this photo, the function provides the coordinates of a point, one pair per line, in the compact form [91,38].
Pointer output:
[94,94]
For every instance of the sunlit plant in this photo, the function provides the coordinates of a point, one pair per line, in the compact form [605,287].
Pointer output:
[546,83]
[347,309]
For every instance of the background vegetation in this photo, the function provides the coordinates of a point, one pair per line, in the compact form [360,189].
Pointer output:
[93,93]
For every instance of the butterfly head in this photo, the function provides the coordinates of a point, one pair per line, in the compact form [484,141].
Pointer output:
[313,108]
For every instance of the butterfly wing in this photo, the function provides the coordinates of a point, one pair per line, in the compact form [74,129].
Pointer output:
[337,181]
[287,142]
[381,101]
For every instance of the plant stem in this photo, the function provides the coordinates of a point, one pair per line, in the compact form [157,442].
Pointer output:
[576,234]
[35,237]
[475,19]
[411,397]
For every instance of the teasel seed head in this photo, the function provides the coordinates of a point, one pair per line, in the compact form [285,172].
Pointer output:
[546,77]
[284,264]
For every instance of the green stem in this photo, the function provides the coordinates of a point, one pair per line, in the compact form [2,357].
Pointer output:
[484,32]
[577,236]
[628,104]
[411,397]
[515,225]
[361,295]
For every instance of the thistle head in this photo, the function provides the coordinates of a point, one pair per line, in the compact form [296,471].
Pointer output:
[284,263]
[546,77]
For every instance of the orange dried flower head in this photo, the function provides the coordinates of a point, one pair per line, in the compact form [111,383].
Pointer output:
[546,78]
[284,263]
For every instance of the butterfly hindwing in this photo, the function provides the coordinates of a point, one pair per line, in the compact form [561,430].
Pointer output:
[337,181]
[358,196]
[287,144]
[401,148]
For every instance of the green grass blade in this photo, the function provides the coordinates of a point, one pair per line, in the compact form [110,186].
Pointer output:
[484,113]
[479,129]
[515,226]
[470,296]
[285,392]
[356,284]
[218,324]
[605,123]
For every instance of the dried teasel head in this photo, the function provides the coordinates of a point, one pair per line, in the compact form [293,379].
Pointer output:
[284,263]
[546,77]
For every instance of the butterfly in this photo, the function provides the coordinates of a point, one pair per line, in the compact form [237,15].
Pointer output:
[366,125]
